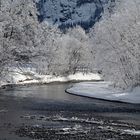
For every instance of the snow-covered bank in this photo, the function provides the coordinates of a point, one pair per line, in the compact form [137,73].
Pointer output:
[102,90]
[19,77]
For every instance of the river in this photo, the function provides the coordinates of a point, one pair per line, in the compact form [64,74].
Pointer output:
[46,112]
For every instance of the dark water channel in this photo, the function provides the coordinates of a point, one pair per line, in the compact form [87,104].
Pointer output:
[46,112]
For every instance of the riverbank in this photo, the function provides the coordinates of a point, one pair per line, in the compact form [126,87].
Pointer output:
[103,91]
[27,77]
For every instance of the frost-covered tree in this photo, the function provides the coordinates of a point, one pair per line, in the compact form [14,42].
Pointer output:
[80,51]
[73,51]
[18,30]
[47,48]
[117,45]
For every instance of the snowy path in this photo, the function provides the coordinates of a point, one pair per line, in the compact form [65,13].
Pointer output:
[102,90]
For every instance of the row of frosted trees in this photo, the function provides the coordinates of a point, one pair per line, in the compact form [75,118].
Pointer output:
[23,40]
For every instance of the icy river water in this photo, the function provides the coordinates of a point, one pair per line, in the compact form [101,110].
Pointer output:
[46,112]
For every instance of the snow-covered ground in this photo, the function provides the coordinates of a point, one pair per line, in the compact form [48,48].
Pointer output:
[103,90]
[26,76]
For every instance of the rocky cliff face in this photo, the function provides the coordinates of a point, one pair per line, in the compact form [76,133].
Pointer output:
[68,13]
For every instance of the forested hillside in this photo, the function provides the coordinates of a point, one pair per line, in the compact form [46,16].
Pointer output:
[69,13]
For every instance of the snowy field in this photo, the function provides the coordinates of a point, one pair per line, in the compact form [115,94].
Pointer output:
[103,90]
